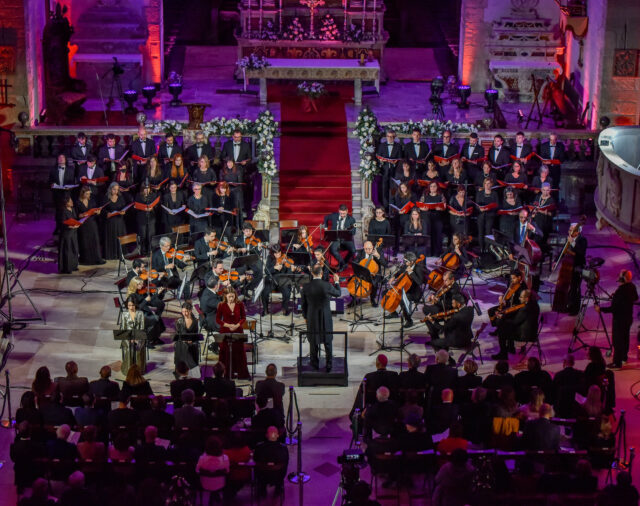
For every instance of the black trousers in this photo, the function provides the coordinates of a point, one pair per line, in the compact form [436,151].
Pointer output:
[507,334]
[314,348]
[620,340]
[434,229]
[269,286]
[575,295]
[335,248]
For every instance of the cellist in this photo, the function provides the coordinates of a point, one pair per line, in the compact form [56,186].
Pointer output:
[368,254]
[417,273]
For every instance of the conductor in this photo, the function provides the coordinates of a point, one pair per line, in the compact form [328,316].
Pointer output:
[317,313]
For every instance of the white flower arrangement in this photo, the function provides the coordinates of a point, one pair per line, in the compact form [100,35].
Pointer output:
[311,90]
[269,31]
[295,31]
[165,126]
[252,62]
[368,131]
[432,127]
[329,30]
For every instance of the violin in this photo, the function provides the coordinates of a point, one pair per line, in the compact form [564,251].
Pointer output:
[285,261]
[508,295]
[358,287]
[145,274]
[442,315]
[177,255]
[219,244]
[147,289]
[511,309]
[391,300]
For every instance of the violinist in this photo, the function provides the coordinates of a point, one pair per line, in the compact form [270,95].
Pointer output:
[145,220]
[544,207]
[249,244]
[417,273]
[441,301]
[457,327]
[319,259]
[369,253]
[168,267]
[303,241]
[458,217]
[487,202]
[173,199]
[277,265]
[222,200]
[510,298]
[153,324]
[342,221]
[379,225]
[138,266]
[577,248]
[518,323]
[206,248]
[434,218]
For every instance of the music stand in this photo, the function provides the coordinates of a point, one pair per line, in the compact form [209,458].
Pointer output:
[338,235]
[131,336]
[191,337]
[286,234]
[361,275]
[415,242]
[230,338]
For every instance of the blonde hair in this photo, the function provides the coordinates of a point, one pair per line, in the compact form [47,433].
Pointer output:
[133,285]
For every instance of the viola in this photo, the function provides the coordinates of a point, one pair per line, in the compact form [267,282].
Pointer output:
[391,300]
[448,262]
[509,310]
[358,287]
[145,275]
[442,315]
[146,289]
[508,295]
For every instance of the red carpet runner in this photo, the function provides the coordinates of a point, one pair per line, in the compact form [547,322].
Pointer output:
[315,175]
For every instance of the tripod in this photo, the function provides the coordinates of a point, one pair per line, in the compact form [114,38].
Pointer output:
[436,109]
[577,343]
[116,85]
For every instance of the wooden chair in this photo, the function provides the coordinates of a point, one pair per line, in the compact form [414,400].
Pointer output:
[129,250]
[181,231]
[287,225]
[258,225]
[251,346]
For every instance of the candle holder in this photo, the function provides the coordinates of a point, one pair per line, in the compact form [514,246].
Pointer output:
[149,92]
[130,96]
[175,89]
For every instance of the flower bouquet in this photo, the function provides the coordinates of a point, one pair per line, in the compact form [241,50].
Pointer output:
[295,31]
[329,30]
[310,92]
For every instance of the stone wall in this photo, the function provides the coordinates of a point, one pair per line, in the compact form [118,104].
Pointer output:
[12,42]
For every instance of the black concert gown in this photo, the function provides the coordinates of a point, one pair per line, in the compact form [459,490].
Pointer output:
[88,236]
[114,228]
[68,247]
[169,202]
[198,206]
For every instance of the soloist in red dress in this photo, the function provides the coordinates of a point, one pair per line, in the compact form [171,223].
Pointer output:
[225,317]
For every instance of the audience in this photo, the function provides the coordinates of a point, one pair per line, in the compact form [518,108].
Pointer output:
[158,417]
[135,384]
[534,376]
[623,493]
[89,448]
[566,384]
[237,452]
[381,377]
[500,377]
[104,387]
[23,452]
[443,414]
[440,376]
[72,387]
[532,409]
[271,388]
[476,418]
[271,458]
[454,481]
[412,378]
[212,466]
[77,494]
[87,414]
[59,448]
[28,411]
[454,441]
[592,406]
[121,450]
[43,387]
[219,386]
[39,495]
[465,384]
[188,416]
[382,416]
[149,450]
[265,416]
[183,382]
[540,434]
[414,438]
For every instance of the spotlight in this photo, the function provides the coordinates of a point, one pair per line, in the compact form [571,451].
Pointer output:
[149,92]
[604,122]
[491,96]
[464,91]
[130,96]
[175,89]
[437,86]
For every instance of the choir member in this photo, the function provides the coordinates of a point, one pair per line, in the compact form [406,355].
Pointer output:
[542,177]
[277,280]
[516,176]
[173,199]
[115,226]
[80,151]
[222,200]
[511,205]
[68,244]
[61,175]
[405,174]
[205,175]
[416,152]
[141,150]
[402,197]
[342,220]
[553,150]
[378,225]
[232,173]
[88,173]
[167,151]
[177,171]
[487,202]
[415,226]
[303,241]
[186,348]
[458,219]
[196,151]
[456,175]
[445,150]
[499,155]
[432,173]
[88,234]
[471,152]
[391,150]
[145,219]
[486,172]
[198,204]
[544,209]
[231,318]
[521,152]
[434,218]
[369,253]
[236,150]
[109,155]
[154,173]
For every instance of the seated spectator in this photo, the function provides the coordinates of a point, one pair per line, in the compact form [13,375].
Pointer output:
[534,376]
[219,386]
[135,384]
[382,416]
[272,388]
[442,415]
[454,481]
[440,376]
[188,416]
[23,451]
[149,451]
[77,494]
[359,495]
[566,384]
[72,387]
[60,448]
[43,387]
[120,450]
[371,382]
[592,406]
[623,493]
[540,434]
[411,406]
[218,415]
[265,416]
[212,461]
[89,448]
[122,417]
[87,414]
[583,481]
[500,377]
[183,382]
[531,410]
[476,418]
[54,413]
[28,411]
[238,453]
[104,387]
[414,438]
[465,384]
[275,453]
[507,405]
[39,495]
[454,441]
[412,378]
[158,417]
[596,368]
[525,480]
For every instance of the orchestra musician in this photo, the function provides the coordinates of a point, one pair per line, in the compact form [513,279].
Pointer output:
[487,202]
[115,226]
[518,323]
[275,279]
[341,220]
[249,244]
[434,218]
[445,150]
[391,150]
[109,154]
[459,247]
[222,200]
[456,327]
[509,299]
[173,199]
[526,229]
[319,259]
[168,267]
[379,225]
[369,253]
[472,150]
[417,272]
[553,150]
[577,248]
[138,266]
[88,234]
[141,150]
[197,150]
[80,151]
[416,152]
[521,151]
[68,244]
[231,317]
[198,204]
[303,241]
[440,301]
[186,347]
[499,155]
[167,151]
[63,175]
[145,219]
[458,217]
[89,171]
[204,253]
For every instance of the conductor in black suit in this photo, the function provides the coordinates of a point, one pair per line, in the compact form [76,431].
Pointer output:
[416,152]
[499,155]
[341,221]
[472,150]
[166,151]
[143,148]
[236,150]
[317,313]
[391,150]
[195,151]
[521,325]
[457,329]
[622,310]
[553,150]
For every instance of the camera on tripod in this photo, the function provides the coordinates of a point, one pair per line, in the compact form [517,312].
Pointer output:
[116,68]
[351,460]
[590,273]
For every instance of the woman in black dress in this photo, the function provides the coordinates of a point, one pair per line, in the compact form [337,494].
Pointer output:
[114,226]
[124,177]
[68,247]
[432,173]
[378,226]
[173,199]
[486,172]
[154,172]
[458,217]
[402,197]
[434,218]
[517,178]
[231,173]
[222,200]
[186,349]
[404,174]
[508,212]
[415,226]
[88,234]
[204,174]
[456,175]
[145,220]
[487,201]
[198,204]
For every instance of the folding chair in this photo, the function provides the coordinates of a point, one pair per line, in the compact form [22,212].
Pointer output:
[129,250]
[251,346]
[469,350]
[529,345]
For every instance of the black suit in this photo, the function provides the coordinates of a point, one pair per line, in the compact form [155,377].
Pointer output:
[83,171]
[500,159]
[382,417]
[189,416]
[158,262]
[555,170]
[272,389]
[534,235]
[579,260]
[139,172]
[221,388]
[265,418]
[439,377]
[566,384]
[244,153]
[336,246]
[59,196]
[380,378]
[163,154]
[316,309]
[457,330]
[275,453]
[209,301]
[388,168]
[181,384]
[191,155]
[439,150]
[622,310]
[477,151]
[417,159]
[105,388]
[109,168]
[541,434]
[521,325]
[441,417]
[79,154]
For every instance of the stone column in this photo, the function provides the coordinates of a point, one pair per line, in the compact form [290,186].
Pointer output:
[35,18]
[472,66]
[264,207]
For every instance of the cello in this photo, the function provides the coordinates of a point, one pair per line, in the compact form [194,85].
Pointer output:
[565,261]
[358,287]
[448,262]
[392,298]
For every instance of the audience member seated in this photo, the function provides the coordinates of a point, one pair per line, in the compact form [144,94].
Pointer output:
[411,379]
[77,494]
[582,481]
[272,388]
[218,414]
[411,406]
[60,448]
[28,411]
[359,495]
[592,406]
[566,384]
[89,448]
[104,387]
[188,416]
[532,409]
[219,386]
[454,481]
[414,438]
[43,387]
[505,425]
[149,450]
[499,378]
[39,495]
[476,418]
[534,376]
[272,452]
[440,376]
[265,416]
[382,415]
[596,373]
[525,480]
[183,382]
[88,414]
[54,413]
[454,441]
[158,417]
[507,406]
[465,384]
[120,450]
[72,387]
[540,434]
[135,384]
[443,414]
[23,451]
[380,378]
[238,453]
[122,416]
[623,493]
[212,466]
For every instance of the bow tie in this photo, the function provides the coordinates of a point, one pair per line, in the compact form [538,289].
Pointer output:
[199,145]
[519,146]
[416,143]
[236,143]
[60,167]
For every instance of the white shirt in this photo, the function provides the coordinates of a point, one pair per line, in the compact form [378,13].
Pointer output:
[169,150]
[112,153]
[90,171]
[551,151]
[199,151]
[518,151]
[445,147]
[341,223]
[84,149]
[416,146]
[471,150]
[495,154]
[390,148]
[61,176]
[143,145]
[236,151]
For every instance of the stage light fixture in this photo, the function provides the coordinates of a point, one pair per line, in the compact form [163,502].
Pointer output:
[437,86]
[130,96]
[175,89]
[464,91]
[491,96]
[149,92]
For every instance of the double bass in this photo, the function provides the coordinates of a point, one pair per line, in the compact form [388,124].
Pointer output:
[565,261]
[392,298]
[358,287]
